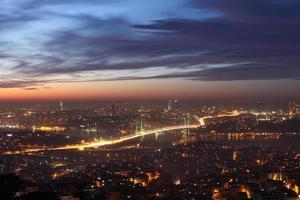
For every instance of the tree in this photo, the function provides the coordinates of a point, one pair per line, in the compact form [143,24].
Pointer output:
[10,184]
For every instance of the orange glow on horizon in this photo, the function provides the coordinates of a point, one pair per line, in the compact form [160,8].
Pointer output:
[149,89]
[145,89]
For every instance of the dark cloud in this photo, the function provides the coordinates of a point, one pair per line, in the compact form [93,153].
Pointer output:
[20,83]
[30,88]
[237,73]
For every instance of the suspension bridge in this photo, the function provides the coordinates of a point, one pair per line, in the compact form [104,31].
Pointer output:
[139,133]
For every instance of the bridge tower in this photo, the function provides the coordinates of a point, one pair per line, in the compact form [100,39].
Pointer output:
[142,130]
[139,128]
[187,123]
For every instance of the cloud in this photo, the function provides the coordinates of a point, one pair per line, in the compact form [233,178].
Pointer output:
[20,83]
[249,40]
[237,73]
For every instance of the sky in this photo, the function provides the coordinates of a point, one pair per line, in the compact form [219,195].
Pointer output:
[159,49]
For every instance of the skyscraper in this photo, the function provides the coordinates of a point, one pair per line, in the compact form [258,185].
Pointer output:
[61,106]
[169,105]
[292,108]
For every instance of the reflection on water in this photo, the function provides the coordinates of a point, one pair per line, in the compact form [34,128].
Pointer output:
[274,140]
[271,140]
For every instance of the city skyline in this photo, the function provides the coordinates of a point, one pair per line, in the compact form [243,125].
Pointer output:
[133,50]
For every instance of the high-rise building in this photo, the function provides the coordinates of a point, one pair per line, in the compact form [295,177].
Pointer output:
[292,108]
[175,104]
[297,109]
[61,106]
[113,110]
[169,108]
[172,105]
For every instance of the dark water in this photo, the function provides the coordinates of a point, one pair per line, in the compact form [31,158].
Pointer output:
[279,141]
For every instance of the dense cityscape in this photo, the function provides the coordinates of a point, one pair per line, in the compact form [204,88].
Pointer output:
[250,154]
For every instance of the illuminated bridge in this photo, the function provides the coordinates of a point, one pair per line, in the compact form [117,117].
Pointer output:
[99,143]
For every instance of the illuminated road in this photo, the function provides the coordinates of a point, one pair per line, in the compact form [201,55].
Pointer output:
[99,143]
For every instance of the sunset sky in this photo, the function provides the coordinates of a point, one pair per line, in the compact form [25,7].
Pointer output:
[156,49]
